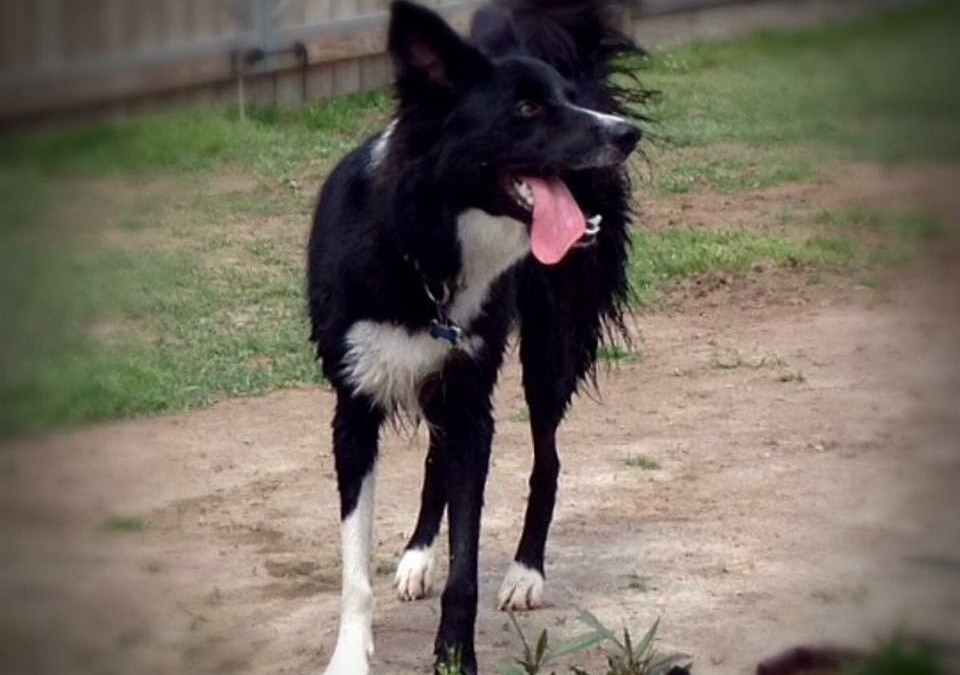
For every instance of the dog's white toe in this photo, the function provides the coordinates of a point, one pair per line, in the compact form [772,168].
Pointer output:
[415,573]
[522,588]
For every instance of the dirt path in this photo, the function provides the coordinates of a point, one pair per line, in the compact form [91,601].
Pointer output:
[809,449]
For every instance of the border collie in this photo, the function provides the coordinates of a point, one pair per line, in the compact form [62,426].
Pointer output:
[497,197]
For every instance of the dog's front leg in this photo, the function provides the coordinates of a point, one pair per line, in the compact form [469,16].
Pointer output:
[468,429]
[522,587]
[356,428]
[414,578]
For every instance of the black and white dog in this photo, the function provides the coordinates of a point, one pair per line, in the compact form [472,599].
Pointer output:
[497,196]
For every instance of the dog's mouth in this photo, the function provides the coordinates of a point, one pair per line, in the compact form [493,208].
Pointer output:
[557,223]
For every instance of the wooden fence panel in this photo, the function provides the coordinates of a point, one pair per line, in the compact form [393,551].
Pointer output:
[19,28]
[61,54]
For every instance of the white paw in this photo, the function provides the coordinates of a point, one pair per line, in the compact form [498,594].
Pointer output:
[352,654]
[522,588]
[415,573]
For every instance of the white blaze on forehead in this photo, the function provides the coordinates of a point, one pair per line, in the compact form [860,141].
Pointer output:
[604,118]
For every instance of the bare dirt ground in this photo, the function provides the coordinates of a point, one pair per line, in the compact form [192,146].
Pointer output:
[808,442]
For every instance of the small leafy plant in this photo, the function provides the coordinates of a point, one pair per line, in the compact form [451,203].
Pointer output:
[628,659]
[639,659]
[537,659]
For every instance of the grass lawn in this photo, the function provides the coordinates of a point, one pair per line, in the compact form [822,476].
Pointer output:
[157,265]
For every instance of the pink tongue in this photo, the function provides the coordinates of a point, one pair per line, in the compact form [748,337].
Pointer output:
[558,222]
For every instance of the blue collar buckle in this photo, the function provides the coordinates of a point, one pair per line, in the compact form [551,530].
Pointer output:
[448,331]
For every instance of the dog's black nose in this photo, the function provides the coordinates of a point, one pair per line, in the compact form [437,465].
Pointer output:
[626,136]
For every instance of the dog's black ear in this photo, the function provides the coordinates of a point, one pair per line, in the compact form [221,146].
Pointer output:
[428,54]
[494,31]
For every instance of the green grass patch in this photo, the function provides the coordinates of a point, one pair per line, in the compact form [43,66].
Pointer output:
[662,257]
[274,143]
[726,168]
[148,332]
[125,524]
[778,106]
[889,237]
[908,226]
[844,240]
[616,354]
[521,416]
[642,462]
[99,324]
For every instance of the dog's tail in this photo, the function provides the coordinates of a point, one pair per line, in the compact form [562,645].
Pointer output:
[579,38]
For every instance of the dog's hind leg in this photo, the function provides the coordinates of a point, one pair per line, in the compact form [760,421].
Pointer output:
[356,427]
[414,578]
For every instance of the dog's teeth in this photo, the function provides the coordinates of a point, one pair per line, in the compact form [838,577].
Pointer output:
[593,226]
[524,193]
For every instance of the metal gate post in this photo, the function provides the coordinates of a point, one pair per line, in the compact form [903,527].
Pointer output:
[260,11]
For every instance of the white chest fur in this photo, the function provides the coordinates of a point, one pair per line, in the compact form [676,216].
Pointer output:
[489,246]
[388,362]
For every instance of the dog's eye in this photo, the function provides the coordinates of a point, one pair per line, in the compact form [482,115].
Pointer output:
[528,109]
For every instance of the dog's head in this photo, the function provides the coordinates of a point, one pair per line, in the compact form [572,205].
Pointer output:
[503,134]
